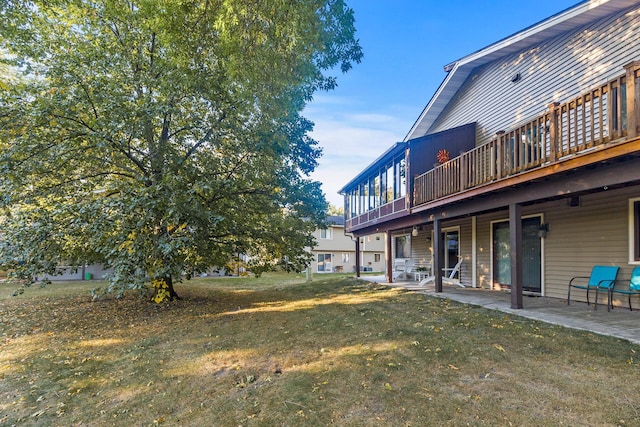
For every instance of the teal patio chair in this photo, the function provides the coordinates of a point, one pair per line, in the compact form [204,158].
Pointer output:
[601,278]
[633,289]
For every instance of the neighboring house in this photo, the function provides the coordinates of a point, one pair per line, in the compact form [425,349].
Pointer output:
[79,272]
[335,251]
[525,162]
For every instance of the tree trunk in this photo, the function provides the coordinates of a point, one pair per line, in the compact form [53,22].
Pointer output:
[163,290]
[173,295]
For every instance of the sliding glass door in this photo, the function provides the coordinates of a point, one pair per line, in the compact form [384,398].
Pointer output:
[531,255]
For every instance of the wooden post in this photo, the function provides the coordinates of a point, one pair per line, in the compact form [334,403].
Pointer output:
[464,172]
[437,254]
[492,161]
[389,256]
[500,156]
[553,131]
[515,240]
[632,99]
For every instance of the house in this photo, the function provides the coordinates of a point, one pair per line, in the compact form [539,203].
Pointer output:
[78,272]
[334,251]
[524,164]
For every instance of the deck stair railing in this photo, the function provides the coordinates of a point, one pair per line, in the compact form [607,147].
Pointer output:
[595,118]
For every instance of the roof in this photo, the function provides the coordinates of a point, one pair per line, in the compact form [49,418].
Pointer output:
[335,220]
[458,71]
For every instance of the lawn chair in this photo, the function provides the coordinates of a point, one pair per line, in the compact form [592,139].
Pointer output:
[449,276]
[633,289]
[402,268]
[409,268]
[602,278]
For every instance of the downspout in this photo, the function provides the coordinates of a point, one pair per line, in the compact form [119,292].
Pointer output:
[357,256]
[357,242]
[389,257]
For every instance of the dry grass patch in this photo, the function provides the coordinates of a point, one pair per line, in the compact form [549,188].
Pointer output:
[278,351]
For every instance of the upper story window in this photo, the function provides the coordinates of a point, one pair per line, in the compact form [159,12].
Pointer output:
[326,233]
[389,183]
[400,179]
[386,184]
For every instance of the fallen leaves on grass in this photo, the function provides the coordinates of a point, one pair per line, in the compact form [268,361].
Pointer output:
[335,351]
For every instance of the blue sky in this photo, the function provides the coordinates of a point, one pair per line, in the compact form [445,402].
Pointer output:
[406,44]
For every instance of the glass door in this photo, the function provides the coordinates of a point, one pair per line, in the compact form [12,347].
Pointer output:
[531,255]
[324,263]
[451,240]
[501,255]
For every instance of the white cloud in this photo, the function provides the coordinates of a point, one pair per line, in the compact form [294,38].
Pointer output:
[350,143]
[353,132]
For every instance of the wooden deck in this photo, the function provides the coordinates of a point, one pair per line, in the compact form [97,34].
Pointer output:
[598,120]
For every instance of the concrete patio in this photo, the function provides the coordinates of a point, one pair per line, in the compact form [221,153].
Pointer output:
[619,323]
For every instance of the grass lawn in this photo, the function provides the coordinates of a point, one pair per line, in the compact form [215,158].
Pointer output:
[277,351]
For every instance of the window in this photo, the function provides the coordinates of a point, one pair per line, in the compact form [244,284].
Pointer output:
[383,186]
[400,178]
[345,257]
[376,257]
[364,197]
[324,263]
[326,233]
[372,194]
[403,178]
[634,231]
[353,204]
[403,246]
[390,183]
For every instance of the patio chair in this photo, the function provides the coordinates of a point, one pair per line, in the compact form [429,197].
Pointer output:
[409,268]
[633,289]
[402,268]
[601,278]
[449,276]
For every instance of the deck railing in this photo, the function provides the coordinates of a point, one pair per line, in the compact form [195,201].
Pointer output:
[604,114]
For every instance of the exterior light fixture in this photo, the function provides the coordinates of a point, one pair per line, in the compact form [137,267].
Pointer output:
[414,232]
[543,230]
[573,201]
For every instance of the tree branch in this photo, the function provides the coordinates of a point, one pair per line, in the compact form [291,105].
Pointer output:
[113,143]
[197,145]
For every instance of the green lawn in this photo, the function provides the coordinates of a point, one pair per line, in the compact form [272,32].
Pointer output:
[277,351]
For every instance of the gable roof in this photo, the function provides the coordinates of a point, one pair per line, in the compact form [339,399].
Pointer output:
[458,71]
[335,220]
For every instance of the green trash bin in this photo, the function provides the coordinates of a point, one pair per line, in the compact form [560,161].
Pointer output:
[88,276]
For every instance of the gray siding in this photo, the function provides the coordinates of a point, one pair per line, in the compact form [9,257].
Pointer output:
[483,261]
[421,247]
[555,71]
[580,237]
[596,232]
[465,252]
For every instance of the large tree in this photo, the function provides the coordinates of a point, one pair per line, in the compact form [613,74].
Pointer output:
[160,137]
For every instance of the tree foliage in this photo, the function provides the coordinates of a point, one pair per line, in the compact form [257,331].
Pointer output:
[159,137]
